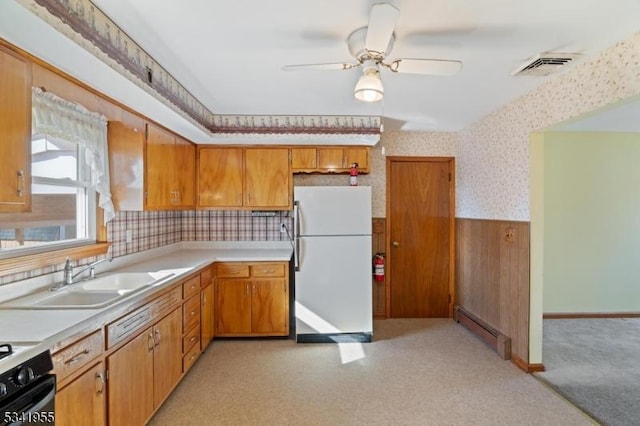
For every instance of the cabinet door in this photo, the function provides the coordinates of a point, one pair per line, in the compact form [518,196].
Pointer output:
[220,177]
[131,382]
[330,158]
[185,172]
[126,165]
[303,159]
[357,155]
[206,316]
[15,132]
[159,164]
[167,358]
[270,307]
[82,402]
[233,307]
[267,178]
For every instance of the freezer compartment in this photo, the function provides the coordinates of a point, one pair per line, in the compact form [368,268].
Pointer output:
[333,286]
[333,210]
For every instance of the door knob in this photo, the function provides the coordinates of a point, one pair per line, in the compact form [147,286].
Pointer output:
[395,244]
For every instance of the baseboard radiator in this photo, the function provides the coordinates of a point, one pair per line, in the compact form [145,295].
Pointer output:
[491,336]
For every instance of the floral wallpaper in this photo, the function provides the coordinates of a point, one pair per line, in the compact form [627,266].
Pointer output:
[418,144]
[493,153]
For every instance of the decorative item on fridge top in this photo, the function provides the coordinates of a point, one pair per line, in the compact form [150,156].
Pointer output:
[353,175]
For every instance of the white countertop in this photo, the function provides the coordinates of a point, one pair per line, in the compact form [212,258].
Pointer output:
[44,328]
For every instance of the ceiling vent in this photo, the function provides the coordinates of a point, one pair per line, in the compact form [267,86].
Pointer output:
[545,63]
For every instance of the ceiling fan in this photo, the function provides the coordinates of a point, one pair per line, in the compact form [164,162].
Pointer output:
[370,47]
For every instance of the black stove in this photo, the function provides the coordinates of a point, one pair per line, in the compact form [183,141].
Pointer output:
[27,390]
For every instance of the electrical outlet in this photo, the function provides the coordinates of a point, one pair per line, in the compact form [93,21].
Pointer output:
[283,228]
[129,236]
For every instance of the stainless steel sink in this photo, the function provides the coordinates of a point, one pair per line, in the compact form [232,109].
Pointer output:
[90,294]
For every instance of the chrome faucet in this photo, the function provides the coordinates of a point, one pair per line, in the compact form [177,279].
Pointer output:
[91,267]
[69,276]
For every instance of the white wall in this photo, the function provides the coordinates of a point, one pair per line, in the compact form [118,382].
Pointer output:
[591,222]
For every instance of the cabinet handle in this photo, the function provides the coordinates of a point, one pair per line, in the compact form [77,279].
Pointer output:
[193,339]
[150,342]
[100,382]
[246,287]
[248,198]
[77,357]
[157,338]
[193,313]
[239,199]
[20,186]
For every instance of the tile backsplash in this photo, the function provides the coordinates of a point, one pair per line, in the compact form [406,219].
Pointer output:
[149,230]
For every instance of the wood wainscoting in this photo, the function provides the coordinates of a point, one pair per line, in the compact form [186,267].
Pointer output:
[492,277]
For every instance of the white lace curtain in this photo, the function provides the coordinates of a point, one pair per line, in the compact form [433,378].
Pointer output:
[57,117]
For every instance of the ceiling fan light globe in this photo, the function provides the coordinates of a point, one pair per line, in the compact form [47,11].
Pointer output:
[369,88]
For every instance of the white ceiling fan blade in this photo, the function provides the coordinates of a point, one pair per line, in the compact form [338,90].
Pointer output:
[382,22]
[312,67]
[426,66]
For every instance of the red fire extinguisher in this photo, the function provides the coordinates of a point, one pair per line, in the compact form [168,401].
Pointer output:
[378,267]
[353,175]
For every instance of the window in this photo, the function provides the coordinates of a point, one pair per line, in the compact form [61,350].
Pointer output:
[63,199]
[68,168]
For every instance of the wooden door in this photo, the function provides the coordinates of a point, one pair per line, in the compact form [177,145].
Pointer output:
[233,306]
[267,178]
[167,356]
[159,166]
[206,316]
[270,307]
[15,133]
[420,227]
[131,382]
[82,402]
[220,173]
[185,172]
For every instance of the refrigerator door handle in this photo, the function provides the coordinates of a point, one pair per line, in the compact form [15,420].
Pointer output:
[296,227]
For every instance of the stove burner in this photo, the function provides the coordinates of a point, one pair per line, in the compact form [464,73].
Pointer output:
[5,350]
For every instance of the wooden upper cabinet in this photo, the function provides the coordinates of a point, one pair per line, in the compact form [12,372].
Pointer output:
[220,172]
[267,178]
[150,168]
[244,178]
[159,168]
[336,159]
[358,155]
[15,132]
[304,159]
[185,172]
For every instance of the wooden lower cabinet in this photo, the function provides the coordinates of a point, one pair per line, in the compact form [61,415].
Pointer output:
[206,316]
[144,371]
[82,402]
[254,304]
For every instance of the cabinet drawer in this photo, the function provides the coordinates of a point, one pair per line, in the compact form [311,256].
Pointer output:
[191,287]
[206,277]
[190,339]
[166,303]
[191,313]
[268,270]
[190,357]
[124,327]
[77,355]
[231,270]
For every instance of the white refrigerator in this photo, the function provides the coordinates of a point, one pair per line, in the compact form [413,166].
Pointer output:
[333,287]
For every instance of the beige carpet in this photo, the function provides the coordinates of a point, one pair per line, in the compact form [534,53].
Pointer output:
[416,372]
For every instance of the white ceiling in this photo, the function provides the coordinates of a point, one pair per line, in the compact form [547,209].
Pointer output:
[229,54]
